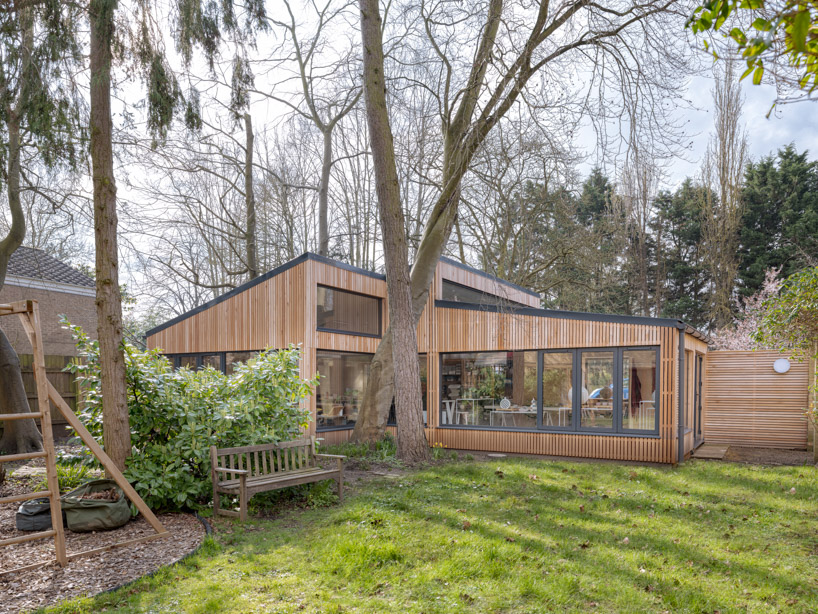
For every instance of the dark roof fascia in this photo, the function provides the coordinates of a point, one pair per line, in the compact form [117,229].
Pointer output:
[573,315]
[470,269]
[260,279]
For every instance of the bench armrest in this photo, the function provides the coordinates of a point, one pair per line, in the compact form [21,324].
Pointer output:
[338,456]
[238,472]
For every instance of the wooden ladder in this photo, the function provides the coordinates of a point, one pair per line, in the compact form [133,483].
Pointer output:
[29,314]
[30,317]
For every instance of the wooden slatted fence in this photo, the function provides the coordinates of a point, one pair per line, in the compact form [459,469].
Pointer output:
[748,404]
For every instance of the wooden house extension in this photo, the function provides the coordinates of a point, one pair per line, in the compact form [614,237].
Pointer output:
[498,372]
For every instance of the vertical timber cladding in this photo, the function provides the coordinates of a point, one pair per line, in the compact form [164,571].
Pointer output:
[461,330]
[269,313]
[749,404]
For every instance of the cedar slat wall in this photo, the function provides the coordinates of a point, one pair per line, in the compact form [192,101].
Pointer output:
[270,314]
[282,310]
[749,404]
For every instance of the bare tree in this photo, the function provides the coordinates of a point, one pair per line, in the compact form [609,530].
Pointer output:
[328,88]
[486,56]
[640,185]
[723,173]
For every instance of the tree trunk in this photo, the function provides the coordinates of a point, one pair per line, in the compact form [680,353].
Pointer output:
[377,399]
[412,444]
[19,436]
[323,194]
[250,199]
[115,429]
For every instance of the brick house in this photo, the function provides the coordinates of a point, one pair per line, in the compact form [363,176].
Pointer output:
[60,290]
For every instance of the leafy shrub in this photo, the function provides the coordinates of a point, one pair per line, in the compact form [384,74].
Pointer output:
[176,415]
[69,476]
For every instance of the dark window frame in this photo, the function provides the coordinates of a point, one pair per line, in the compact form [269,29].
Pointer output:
[347,332]
[176,359]
[345,427]
[574,429]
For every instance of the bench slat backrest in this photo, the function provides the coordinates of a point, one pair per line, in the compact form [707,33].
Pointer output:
[264,459]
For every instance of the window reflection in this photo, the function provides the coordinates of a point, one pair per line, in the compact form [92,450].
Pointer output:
[597,390]
[232,358]
[496,389]
[348,312]
[557,394]
[639,390]
[341,386]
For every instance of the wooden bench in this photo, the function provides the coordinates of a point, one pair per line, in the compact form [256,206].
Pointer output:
[248,470]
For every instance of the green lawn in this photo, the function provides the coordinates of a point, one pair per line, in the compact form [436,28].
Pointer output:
[516,535]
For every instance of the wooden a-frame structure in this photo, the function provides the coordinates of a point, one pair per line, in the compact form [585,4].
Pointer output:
[29,315]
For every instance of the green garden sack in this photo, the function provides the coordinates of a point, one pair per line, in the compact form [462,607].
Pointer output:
[96,506]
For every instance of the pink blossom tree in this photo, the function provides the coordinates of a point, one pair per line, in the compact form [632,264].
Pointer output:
[740,334]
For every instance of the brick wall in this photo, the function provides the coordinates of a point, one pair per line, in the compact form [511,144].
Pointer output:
[57,342]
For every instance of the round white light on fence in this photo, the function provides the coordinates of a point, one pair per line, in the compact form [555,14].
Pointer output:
[782,365]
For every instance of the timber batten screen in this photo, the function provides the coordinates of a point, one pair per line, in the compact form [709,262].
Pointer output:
[537,358]
[747,403]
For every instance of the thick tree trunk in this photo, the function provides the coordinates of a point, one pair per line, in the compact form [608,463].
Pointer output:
[379,392]
[323,194]
[19,436]
[115,430]
[250,199]
[412,444]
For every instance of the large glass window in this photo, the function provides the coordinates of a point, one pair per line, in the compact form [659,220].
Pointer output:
[639,390]
[341,385]
[495,389]
[592,390]
[597,390]
[348,312]
[557,389]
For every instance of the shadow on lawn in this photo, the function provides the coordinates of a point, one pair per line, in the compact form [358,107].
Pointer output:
[526,538]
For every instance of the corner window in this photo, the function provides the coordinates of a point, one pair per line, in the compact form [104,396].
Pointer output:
[341,311]
[605,390]
[341,384]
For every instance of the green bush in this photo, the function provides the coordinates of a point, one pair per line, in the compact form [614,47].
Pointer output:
[176,415]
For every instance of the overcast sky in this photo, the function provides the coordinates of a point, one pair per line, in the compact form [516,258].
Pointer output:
[794,123]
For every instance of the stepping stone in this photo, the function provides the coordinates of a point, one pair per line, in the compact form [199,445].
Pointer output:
[712,451]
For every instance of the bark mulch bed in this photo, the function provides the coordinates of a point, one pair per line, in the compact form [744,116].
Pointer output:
[51,584]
